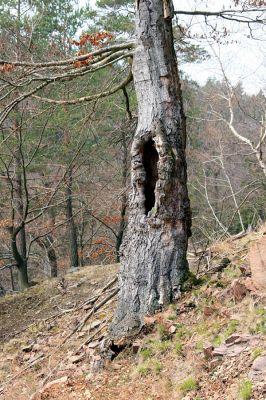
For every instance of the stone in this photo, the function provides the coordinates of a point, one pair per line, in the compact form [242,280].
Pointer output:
[172,329]
[248,282]
[257,257]
[136,346]
[258,367]
[225,295]
[95,324]
[93,344]
[233,338]
[236,344]
[208,311]
[76,359]
[239,290]
[59,381]
[27,349]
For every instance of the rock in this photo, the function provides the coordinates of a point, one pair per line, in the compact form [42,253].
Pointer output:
[236,344]
[136,346]
[222,265]
[148,320]
[245,270]
[117,367]
[208,311]
[220,351]
[27,349]
[239,290]
[258,367]
[97,363]
[172,329]
[76,359]
[248,282]
[93,344]
[60,381]
[257,257]
[95,324]
[208,351]
[225,295]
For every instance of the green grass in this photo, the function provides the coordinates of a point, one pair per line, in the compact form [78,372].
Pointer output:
[181,331]
[151,366]
[245,390]
[232,272]
[231,328]
[163,332]
[256,353]
[188,385]
[178,347]
[146,353]
[143,369]
[217,341]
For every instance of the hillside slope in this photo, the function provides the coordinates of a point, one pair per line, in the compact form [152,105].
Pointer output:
[211,344]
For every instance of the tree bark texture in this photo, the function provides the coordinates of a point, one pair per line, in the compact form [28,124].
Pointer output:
[18,237]
[153,253]
[72,233]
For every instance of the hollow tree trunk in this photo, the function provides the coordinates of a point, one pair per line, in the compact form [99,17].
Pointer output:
[72,233]
[153,253]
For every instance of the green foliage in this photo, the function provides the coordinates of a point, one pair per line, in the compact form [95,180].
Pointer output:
[146,353]
[256,353]
[162,331]
[151,366]
[188,385]
[178,347]
[181,331]
[115,16]
[191,280]
[231,328]
[245,390]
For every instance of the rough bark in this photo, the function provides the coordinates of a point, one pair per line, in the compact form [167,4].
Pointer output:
[153,253]
[123,207]
[72,233]
[18,237]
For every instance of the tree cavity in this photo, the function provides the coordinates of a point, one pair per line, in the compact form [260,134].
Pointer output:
[150,159]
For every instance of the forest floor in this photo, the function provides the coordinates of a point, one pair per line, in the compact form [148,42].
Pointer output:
[210,344]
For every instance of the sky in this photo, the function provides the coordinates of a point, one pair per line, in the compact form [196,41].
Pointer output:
[242,59]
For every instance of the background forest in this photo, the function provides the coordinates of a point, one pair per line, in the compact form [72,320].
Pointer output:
[64,168]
